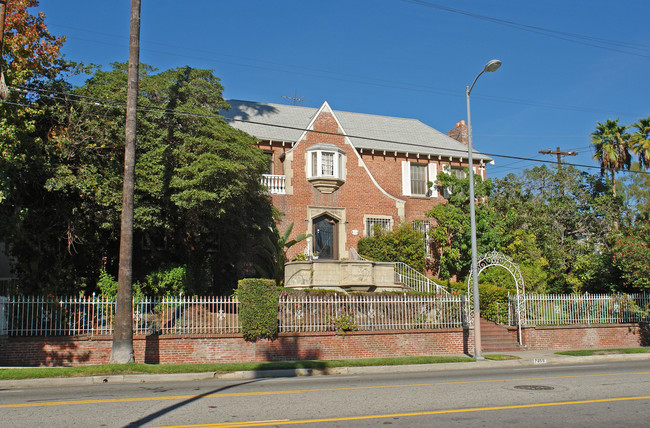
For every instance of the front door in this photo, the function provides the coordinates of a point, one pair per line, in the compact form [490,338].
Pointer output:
[325,237]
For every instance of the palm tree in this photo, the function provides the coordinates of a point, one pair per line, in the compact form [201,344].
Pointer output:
[641,141]
[612,148]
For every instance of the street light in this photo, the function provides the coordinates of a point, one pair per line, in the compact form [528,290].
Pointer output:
[489,67]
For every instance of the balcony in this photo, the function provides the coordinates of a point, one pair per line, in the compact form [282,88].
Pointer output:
[275,183]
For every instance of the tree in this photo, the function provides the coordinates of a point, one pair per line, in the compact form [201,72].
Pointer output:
[612,148]
[451,232]
[122,349]
[631,254]
[572,216]
[636,193]
[641,141]
[30,61]
[198,198]
[32,66]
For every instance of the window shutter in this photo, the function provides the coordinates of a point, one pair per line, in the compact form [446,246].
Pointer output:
[479,171]
[406,178]
[433,177]
[446,191]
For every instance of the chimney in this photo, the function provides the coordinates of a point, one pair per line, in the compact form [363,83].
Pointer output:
[459,133]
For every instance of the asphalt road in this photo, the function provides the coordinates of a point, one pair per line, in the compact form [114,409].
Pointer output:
[611,393]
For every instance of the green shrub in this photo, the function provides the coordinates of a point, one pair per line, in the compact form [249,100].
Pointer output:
[404,244]
[107,285]
[492,299]
[170,281]
[258,309]
[494,302]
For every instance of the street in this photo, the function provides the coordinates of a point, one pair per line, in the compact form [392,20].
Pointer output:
[604,394]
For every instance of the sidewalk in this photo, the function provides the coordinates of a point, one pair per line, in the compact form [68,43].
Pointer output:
[526,358]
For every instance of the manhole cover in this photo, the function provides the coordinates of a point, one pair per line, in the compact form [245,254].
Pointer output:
[534,387]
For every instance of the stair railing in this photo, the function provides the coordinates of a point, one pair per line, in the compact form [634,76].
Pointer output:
[411,278]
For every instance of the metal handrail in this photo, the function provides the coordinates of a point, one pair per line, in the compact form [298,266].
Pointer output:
[416,281]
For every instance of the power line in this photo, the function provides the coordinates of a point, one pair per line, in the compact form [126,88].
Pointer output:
[96,102]
[345,77]
[562,35]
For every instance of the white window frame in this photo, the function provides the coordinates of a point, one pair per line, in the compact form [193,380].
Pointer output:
[431,175]
[317,153]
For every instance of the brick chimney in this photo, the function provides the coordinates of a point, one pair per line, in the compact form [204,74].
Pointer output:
[459,133]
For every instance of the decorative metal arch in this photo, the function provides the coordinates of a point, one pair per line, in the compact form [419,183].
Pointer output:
[495,258]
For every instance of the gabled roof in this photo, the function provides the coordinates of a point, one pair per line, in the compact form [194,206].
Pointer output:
[279,122]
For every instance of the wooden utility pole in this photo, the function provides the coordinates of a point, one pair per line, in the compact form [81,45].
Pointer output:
[559,155]
[122,351]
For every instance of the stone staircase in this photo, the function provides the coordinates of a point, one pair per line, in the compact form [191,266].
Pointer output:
[498,338]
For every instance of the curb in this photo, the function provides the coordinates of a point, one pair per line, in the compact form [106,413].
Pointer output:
[528,360]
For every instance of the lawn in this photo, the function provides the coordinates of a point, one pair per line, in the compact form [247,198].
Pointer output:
[138,368]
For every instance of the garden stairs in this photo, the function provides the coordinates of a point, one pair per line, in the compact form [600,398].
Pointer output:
[498,338]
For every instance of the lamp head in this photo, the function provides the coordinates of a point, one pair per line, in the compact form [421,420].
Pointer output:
[492,65]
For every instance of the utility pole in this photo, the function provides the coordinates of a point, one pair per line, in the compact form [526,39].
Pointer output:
[559,155]
[122,350]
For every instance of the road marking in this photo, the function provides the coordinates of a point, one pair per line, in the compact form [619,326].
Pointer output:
[298,391]
[404,415]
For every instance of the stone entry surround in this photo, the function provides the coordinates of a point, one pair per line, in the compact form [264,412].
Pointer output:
[341,275]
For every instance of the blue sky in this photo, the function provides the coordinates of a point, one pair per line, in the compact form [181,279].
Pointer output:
[401,58]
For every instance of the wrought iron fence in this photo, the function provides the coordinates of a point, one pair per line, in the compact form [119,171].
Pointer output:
[51,316]
[92,315]
[66,316]
[186,315]
[563,309]
[400,312]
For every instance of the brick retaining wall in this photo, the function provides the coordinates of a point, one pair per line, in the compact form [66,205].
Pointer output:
[559,338]
[171,349]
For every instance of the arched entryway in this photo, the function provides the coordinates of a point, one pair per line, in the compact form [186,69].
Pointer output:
[325,236]
[495,258]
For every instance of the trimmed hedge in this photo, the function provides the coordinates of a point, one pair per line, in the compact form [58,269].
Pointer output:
[258,309]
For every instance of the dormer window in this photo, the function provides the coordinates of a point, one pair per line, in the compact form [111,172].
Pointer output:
[326,167]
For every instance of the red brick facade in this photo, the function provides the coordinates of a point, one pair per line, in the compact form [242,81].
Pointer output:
[372,184]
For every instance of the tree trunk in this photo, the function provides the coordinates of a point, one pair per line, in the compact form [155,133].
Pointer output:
[122,351]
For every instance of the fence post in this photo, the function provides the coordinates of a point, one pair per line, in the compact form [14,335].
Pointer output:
[4,319]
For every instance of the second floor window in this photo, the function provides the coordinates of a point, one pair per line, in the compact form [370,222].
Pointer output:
[418,179]
[325,160]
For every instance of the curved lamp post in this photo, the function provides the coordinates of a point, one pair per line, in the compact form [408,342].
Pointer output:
[489,67]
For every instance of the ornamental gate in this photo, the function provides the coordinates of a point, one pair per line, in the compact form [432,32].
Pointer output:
[495,258]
